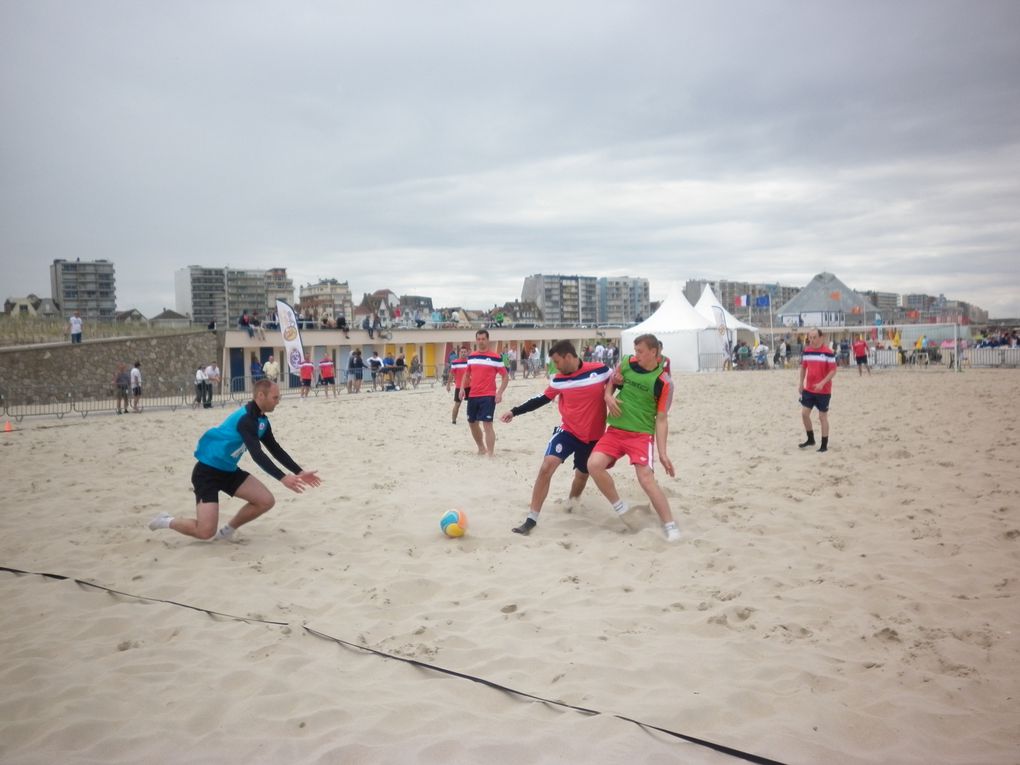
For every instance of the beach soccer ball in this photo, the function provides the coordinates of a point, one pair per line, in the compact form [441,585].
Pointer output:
[453,523]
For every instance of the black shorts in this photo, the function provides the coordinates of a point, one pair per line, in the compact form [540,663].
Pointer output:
[456,394]
[137,390]
[815,400]
[862,361]
[208,482]
[306,383]
[328,381]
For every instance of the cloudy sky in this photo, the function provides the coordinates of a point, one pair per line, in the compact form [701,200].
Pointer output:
[452,148]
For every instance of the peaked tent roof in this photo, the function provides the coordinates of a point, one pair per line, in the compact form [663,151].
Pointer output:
[674,315]
[826,293]
[708,301]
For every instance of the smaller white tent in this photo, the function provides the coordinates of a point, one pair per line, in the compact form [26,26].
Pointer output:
[689,339]
[706,306]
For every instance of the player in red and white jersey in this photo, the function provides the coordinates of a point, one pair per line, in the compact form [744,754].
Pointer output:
[305,371]
[327,375]
[483,366]
[860,349]
[817,368]
[458,368]
[580,387]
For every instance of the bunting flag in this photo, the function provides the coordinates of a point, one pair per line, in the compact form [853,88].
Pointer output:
[742,301]
[835,295]
[291,335]
[761,301]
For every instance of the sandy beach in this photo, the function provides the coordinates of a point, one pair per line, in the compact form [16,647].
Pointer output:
[859,606]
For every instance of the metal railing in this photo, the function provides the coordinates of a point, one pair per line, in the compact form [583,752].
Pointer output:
[236,390]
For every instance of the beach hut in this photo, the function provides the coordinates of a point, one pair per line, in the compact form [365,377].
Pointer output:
[689,339]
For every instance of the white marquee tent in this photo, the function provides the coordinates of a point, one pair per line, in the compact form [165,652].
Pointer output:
[706,306]
[691,341]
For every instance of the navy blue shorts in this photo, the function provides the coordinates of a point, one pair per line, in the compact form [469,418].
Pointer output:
[481,408]
[815,400]
[563,444]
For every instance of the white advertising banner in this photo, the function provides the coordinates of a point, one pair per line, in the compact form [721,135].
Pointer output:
[291,336]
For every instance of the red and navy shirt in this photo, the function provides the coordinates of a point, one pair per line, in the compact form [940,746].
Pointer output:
[818,362]
[326,369]
[483,366]
[307,368]
[581,400]
[860,348]
[459,367]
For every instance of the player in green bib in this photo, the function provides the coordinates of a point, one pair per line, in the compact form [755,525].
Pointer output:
[638,423]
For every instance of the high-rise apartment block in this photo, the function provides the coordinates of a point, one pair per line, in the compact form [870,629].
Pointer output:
[563,299]
[87,286]
[221,294]
[623,300]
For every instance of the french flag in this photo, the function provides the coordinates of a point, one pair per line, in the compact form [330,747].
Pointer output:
[742,300]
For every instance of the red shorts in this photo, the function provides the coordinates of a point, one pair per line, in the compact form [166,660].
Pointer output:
[640,447]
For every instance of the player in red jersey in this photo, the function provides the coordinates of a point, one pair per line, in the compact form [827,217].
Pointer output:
[458,368]
[580,387]
[860,349]
[327,375]
[483,366]
[305,371]
[817,368]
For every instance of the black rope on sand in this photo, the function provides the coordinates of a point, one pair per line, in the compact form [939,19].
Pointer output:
[746,756]
[110,590]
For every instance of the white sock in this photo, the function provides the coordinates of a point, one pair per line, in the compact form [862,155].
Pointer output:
[620,507]
[533,515]
[670,525]
[226,532]
[161,521]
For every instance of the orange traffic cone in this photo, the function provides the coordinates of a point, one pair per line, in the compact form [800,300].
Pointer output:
[8,428]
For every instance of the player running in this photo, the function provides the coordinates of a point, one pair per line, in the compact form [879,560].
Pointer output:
[580,386]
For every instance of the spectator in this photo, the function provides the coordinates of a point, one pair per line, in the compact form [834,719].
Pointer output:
[355,371]
[200,383]
[244,322]
[212,381]
[375,364]
[257,370]
[416,371]
[136,386]
[121,385]
[271,369]
[74,327]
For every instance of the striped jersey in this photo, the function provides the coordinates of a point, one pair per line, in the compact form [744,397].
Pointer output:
[483,366]
[307,369]
[818,362]
[459,367]
[581,400]
[326,368]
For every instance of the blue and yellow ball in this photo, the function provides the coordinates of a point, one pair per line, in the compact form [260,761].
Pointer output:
[453,523]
